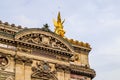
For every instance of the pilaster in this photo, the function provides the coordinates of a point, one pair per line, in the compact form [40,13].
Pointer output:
[28,70]
[63,72]
[22,68]
[67,74]
[19,69]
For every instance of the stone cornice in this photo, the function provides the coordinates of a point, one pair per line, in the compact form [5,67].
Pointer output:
[75,69]
[40,47]
[80,70]
[6,36]
[61,67]
[79,49]
[13,42]
[10,27]
[54,51]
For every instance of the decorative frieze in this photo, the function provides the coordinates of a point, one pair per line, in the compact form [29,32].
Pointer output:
[24,50]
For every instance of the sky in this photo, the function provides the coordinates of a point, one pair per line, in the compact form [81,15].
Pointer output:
[94,21]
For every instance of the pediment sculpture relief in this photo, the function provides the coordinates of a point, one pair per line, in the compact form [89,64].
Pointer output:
[40,39]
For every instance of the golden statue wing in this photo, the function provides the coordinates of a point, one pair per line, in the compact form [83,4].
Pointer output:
[63,21]
[55,23]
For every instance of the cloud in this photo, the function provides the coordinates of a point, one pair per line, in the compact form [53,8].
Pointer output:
[25,21]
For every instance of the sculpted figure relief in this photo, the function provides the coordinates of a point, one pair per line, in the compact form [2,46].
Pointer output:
[42,71]
[44,40]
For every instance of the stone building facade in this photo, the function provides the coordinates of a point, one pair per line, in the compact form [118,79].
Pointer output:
[40,54]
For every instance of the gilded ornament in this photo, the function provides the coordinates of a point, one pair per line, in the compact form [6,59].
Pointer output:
[59,26]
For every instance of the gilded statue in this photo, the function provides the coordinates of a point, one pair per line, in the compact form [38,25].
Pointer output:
[59,26]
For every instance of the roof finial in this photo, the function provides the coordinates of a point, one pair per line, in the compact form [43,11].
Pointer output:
[59,25]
